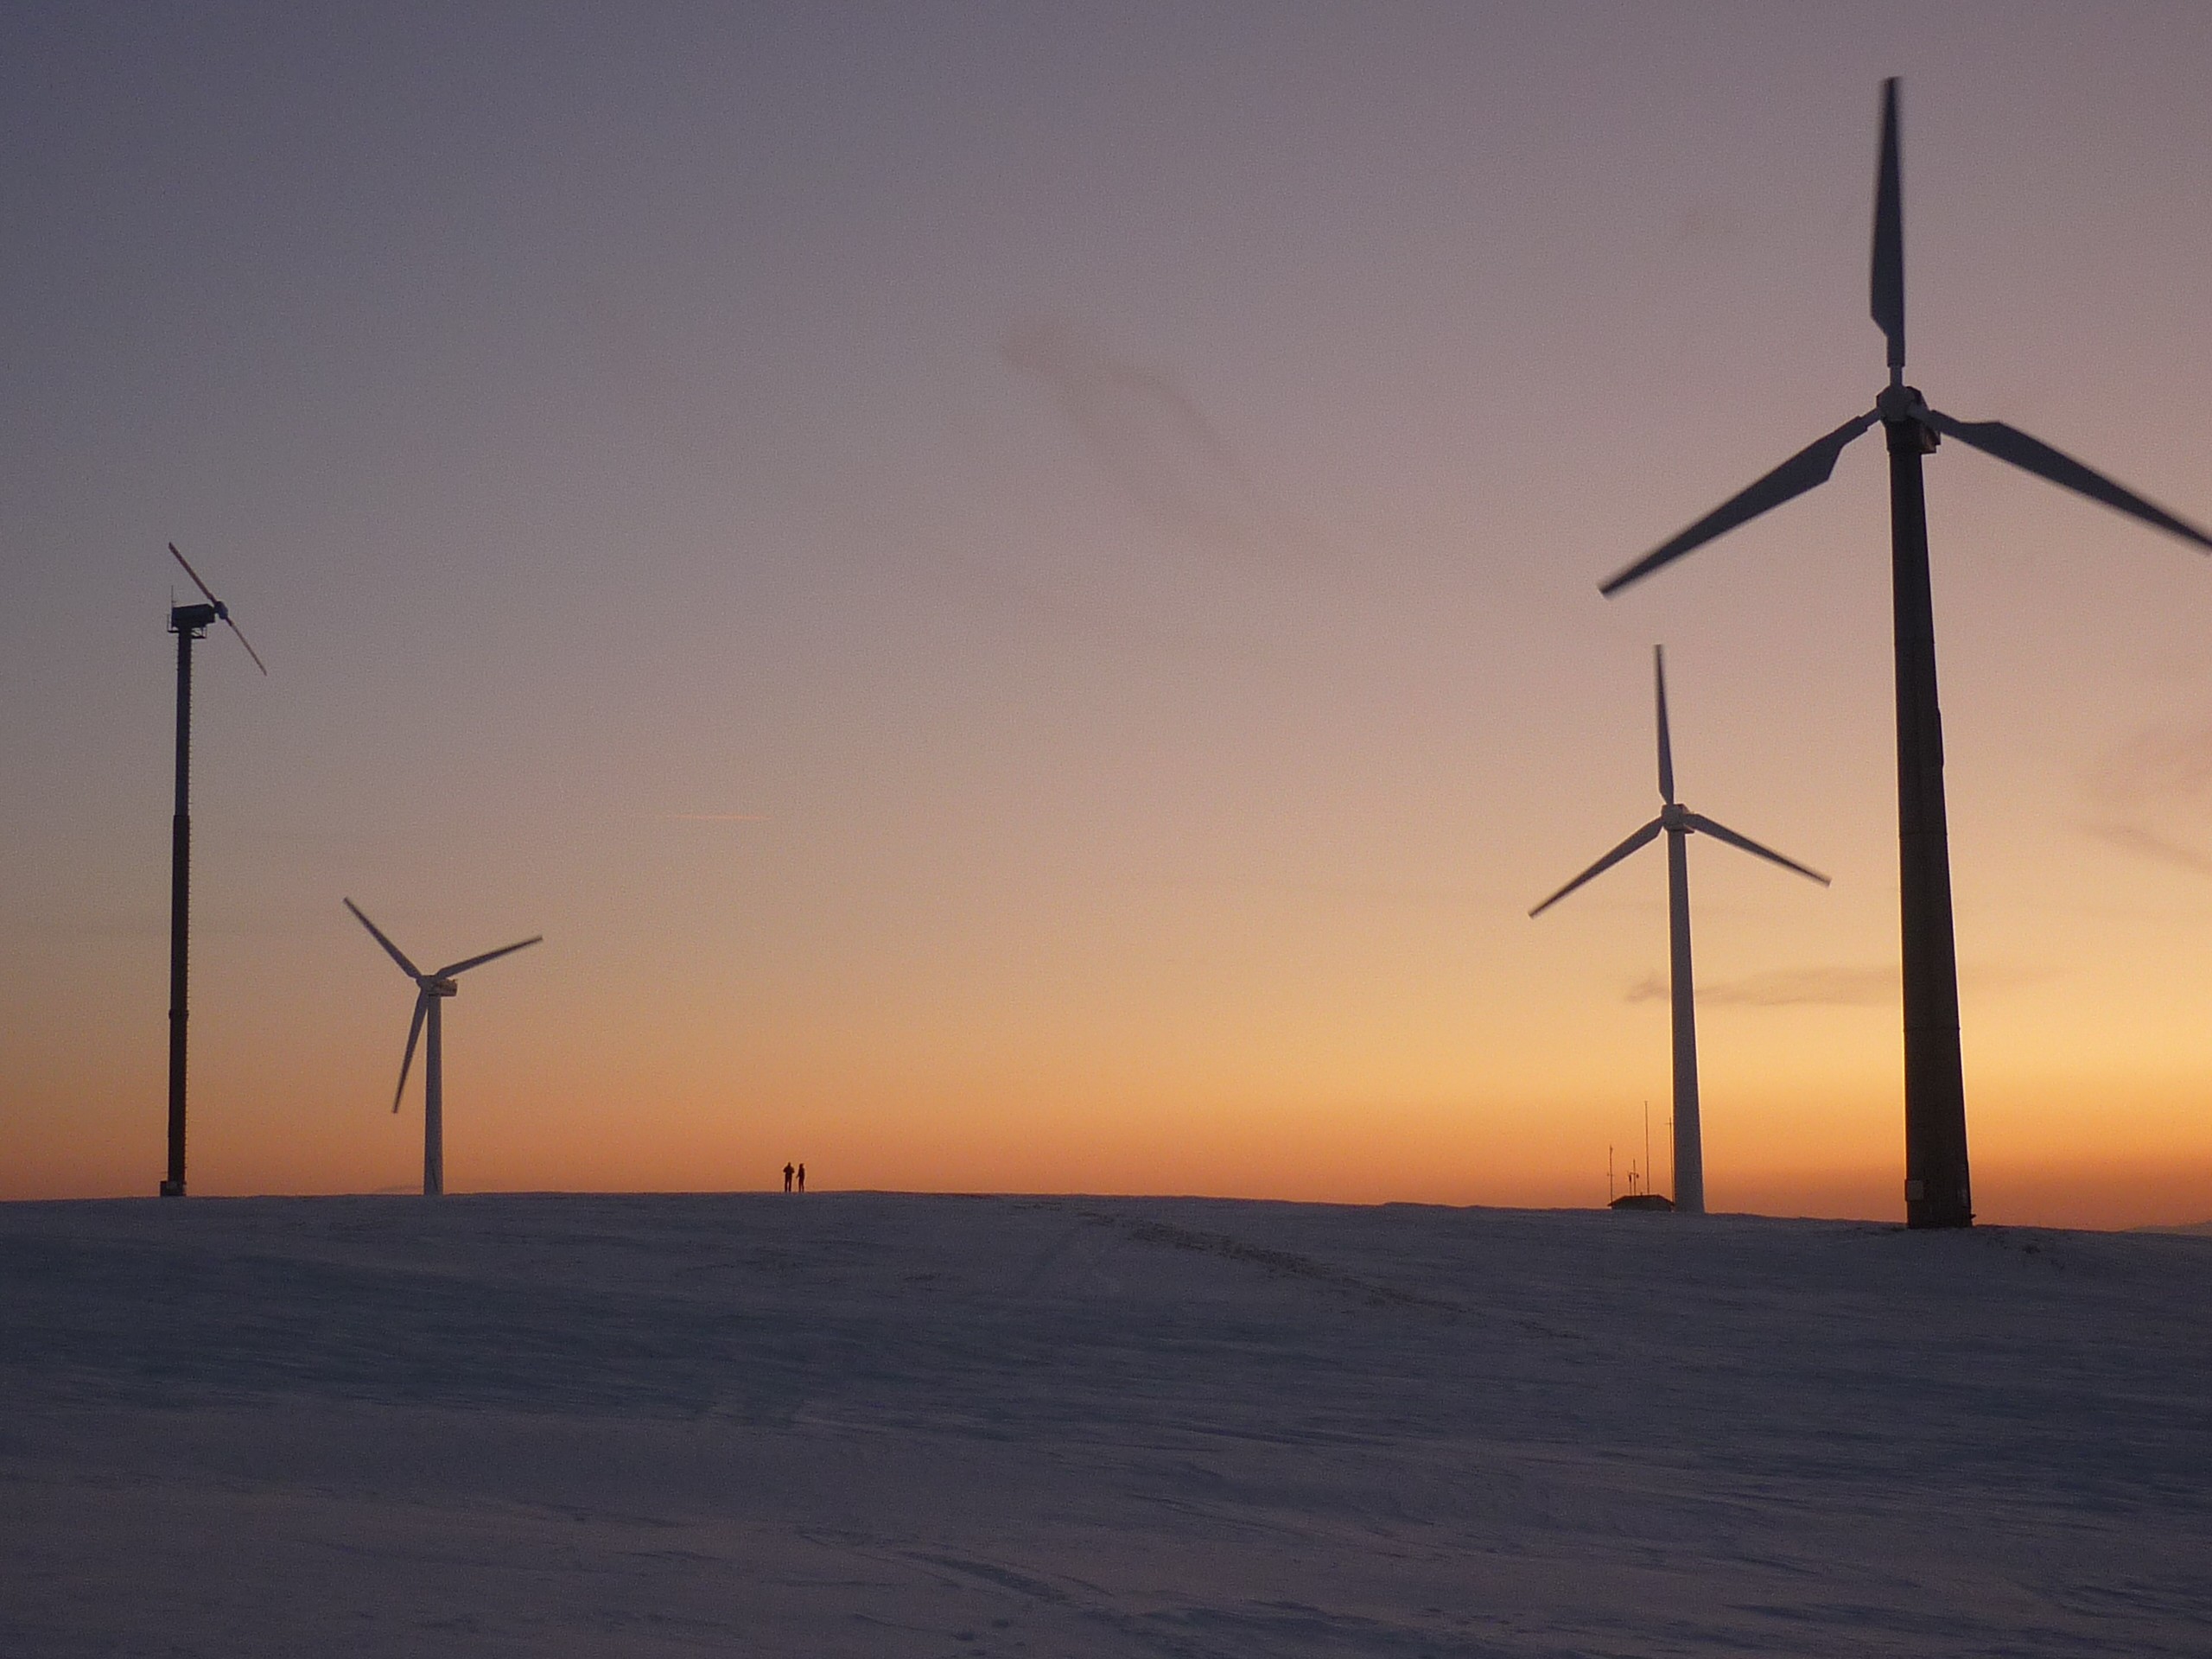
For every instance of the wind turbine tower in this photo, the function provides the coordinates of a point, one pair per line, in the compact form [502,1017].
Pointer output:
[188,623]
[431,990]
[1677,823]
[1938,1190]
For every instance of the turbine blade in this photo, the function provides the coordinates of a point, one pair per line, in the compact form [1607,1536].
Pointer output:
[194,574]
[1666,745]
[1809,466]
[248,644]
[221,609]
[407,967]
[1650,832]
[489,955]
[414,1030]
[1721,832]
[1888,277]
[2034,455]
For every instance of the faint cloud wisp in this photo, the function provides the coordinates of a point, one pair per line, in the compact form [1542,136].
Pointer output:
[2149,843]
[2155,775]
[1783,987]
[1151,438]
[1826,988]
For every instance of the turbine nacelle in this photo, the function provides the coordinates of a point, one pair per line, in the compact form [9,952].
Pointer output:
[196,620]
[1903,405]
[1903,402]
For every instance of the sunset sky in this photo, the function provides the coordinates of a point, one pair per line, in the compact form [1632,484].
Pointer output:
[1013,589]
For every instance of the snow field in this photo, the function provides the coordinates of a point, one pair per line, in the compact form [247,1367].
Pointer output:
[862,1424]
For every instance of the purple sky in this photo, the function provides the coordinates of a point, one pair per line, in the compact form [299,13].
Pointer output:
[1119,493]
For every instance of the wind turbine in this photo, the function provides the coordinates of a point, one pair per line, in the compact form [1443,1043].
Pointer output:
[1677,823]
[432,989]
[1937,1188]
[189,623]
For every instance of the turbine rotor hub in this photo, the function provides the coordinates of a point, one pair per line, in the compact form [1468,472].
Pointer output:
[1899,405]
[1671,815]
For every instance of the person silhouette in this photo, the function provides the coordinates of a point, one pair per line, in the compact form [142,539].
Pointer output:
[802,1177]
[787,1178]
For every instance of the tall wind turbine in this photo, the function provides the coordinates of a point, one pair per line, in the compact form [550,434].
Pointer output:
[1677,823]
[1937,1190]
[431,990]
[189,623]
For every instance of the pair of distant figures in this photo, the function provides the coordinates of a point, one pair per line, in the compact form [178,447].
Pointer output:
[790,1170]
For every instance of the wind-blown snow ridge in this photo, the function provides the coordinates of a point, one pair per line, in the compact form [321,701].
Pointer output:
[868,1425]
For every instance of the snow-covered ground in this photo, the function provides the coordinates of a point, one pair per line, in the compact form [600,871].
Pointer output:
[878,1425]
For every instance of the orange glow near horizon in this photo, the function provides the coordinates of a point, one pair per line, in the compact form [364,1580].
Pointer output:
[1773,1147]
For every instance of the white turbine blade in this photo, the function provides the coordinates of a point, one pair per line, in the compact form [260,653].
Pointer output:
[1650,832]
[406,967]
[414,1030]
[1811,466]
[247,643]
[2034,455]
[1666,744]
[194,574]
[1722,832]
[489,955]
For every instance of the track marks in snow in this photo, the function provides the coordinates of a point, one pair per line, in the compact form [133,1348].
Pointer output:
[1282,1263]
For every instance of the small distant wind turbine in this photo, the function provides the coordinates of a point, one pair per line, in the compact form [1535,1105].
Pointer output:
[189,623]
[432,989]
[1938,1190]
[1677,822]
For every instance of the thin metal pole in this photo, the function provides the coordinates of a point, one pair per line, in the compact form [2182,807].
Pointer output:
[1937,1188]
[180,910]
